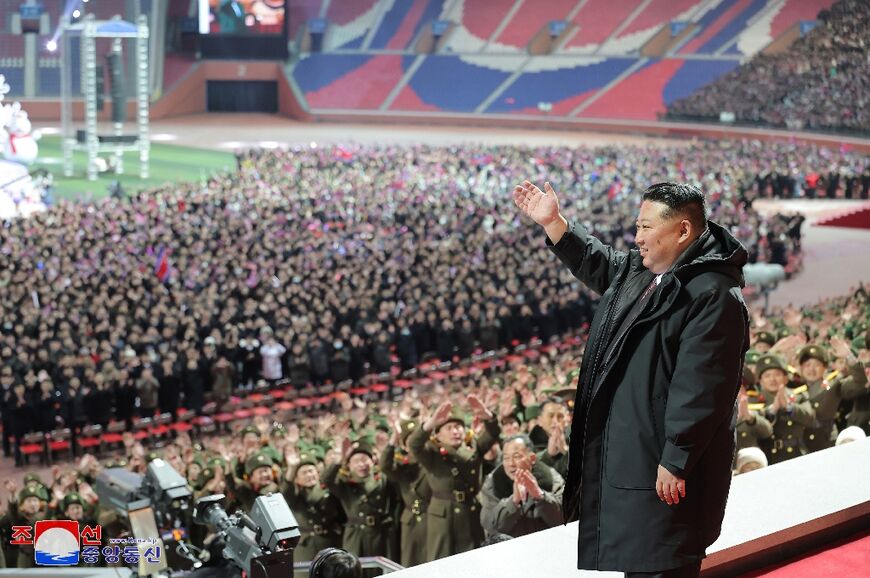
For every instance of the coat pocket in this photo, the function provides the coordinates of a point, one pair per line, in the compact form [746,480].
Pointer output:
[438,508]
[632,450]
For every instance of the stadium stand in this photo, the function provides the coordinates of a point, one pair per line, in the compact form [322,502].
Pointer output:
[530,19]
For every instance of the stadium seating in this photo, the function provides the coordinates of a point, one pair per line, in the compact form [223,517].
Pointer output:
[596,21]
[469,84]
[646,92]
[565,88]
[773,23]
[531,18]
[647,22]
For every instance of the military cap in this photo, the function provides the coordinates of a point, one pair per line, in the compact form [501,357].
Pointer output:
[566,395]
[361,446]
[812,352]
[249,429]
[532,412]
[256,461]
[72,498]
[748,378]
[859,342]
[381,423]
[571,378]
[28,478]
[308,459]
[406,426]
[205,476]
[455,415]
[765,337]
[273,453]
[784,332]
[751,356]
[33,492]
[151,456]
[766,362]
[217,462]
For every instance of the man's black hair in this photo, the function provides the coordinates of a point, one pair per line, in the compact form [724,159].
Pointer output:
[335,563]
[680,199]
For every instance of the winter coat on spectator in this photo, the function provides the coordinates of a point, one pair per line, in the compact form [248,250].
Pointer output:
[499,513]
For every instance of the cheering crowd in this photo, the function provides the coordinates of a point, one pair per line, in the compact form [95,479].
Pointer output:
[319,266]
[476,456]
[821,82]
[323,265]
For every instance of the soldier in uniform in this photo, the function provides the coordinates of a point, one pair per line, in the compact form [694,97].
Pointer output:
[453,463]
[318,512]
[250,444]
[858,412]
[826,392]
[789,412]
[752,425]
[764,340]
[408,477]
[74,507]
[366,498]
[261,476]
[32,505]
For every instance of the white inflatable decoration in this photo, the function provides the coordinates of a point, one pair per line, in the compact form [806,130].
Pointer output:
[18,148]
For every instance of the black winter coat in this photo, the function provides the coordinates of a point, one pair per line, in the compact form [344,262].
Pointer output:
[665,396]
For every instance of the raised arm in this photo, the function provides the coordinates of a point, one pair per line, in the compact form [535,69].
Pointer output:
[588,259]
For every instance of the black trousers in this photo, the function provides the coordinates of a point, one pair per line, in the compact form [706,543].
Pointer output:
[692,570]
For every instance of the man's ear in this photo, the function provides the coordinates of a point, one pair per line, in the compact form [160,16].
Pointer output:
[533,458]
[685,230]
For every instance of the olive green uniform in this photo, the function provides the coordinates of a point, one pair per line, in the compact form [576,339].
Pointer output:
[320,519]
[455,476]
[413,486]
[751,432]
[789,424]
[825,397]
[367,505]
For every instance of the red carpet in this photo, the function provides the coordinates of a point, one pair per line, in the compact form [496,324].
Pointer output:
[856,219]
[849,558]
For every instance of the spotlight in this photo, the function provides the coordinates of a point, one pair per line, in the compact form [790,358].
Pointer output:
[76,13]
[51,45]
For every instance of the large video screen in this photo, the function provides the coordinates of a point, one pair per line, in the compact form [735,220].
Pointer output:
[241,17]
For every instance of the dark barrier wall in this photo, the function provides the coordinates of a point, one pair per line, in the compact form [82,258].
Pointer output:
[242,96]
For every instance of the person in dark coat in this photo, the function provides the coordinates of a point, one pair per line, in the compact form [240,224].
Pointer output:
[194,383]
[653,426]
[169,393]
[125,398]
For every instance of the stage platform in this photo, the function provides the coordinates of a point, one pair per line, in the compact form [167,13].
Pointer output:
[772,514]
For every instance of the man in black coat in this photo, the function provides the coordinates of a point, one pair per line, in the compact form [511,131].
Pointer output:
[653,427]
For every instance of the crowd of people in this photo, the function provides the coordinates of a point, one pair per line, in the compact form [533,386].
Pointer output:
[805,383]
[821,82]
[322,265]
[471,459]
